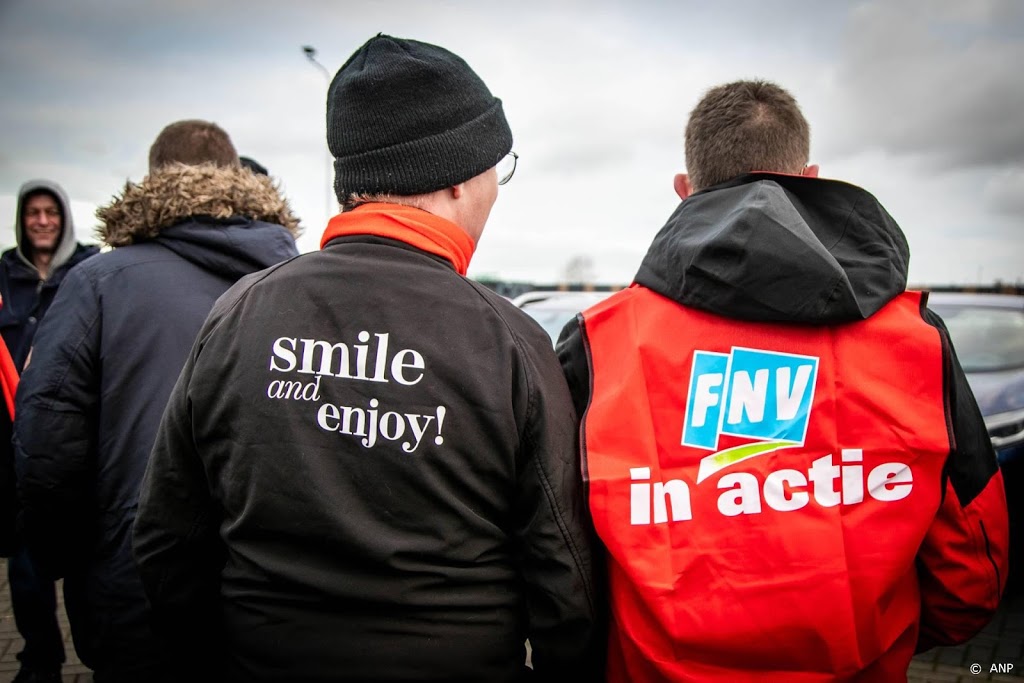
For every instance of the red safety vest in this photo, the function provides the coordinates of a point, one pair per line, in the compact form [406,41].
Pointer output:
[762,489]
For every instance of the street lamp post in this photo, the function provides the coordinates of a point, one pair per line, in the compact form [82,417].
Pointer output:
[310,53]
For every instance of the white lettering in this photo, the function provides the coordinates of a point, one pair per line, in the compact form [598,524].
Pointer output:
[788,402]
[640,496]
[676,493]
[823,475]
[748,397]
[775,485]
[785,490]
[417,431]
[371,416]
[704,398]
[378,426]
[392,426]
[890,481]
[328,412]
[284,353]
[309,348]
[382,358]
[289,389]
[853,476]
[347,414]
[744,498]
[398,366]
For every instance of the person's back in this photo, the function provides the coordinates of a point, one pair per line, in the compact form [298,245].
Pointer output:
[367,469]
[785,464]
[92,397]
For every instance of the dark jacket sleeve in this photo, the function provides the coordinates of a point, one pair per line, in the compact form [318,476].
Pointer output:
[176,543]
[962,563]
[552,528]
[8,492]
[572,354]
[54,433]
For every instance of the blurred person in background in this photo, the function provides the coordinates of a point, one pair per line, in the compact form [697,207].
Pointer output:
[253,165]
[30,274]
[784,460]
[367,470]
[104,362]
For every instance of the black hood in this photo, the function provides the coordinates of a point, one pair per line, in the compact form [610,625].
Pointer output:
[231,248]
[780,248]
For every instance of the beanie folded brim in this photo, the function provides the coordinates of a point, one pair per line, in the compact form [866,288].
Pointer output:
[430,163]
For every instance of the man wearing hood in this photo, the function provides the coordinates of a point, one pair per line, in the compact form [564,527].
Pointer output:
[367,470]
[30,274]
[104,362]
[783,458]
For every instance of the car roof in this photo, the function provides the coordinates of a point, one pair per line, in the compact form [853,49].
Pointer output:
[1012,301]
[557,299]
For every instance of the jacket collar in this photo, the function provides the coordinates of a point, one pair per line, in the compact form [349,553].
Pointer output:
[416,227]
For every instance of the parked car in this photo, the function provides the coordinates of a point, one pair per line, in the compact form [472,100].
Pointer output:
[988,334]
[554,308]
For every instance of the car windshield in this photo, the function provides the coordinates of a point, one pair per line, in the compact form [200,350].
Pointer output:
[985,338]
[551,319]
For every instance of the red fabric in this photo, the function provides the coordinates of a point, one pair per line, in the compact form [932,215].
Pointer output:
[8,377]
[957,574]
[413,226]
[818,593]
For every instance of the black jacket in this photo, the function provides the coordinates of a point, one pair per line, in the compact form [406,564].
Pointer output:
[105,360]
[8,492]
[406,507]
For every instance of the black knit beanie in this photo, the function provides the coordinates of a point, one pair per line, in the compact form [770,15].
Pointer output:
[407,118]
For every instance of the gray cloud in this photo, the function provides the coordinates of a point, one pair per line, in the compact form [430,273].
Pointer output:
[597,93]
[939,80]
[1005,192]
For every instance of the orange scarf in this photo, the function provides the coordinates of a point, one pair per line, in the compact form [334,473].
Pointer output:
[413,226]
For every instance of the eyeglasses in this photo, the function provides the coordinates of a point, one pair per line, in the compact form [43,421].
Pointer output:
[506,167]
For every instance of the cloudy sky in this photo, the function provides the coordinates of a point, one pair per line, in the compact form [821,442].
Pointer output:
[920,102]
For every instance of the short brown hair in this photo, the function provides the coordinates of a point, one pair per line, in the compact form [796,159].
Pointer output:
[742,127]
[192,142]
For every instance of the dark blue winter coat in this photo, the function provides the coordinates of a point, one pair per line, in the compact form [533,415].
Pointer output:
[105,360]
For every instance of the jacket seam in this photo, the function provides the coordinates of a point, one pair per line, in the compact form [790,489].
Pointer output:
[559,516]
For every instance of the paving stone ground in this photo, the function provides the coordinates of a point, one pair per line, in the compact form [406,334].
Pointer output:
[997,652]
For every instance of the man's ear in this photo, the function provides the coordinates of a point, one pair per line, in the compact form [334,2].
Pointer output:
[682,185]
[810,170]
[458,190]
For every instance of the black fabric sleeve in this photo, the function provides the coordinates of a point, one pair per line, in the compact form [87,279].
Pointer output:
[572,354]
[176,544]
[551,527]
[8,491]
[972,462]
[962,561]
[54,429]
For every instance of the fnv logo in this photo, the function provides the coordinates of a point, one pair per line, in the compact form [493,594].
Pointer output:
[761,395]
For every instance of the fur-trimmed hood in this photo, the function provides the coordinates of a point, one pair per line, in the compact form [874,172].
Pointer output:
[177,193]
